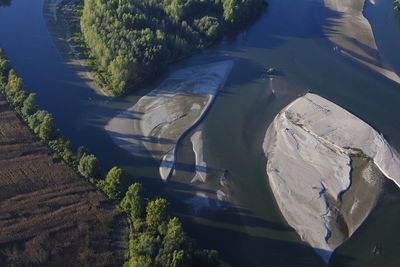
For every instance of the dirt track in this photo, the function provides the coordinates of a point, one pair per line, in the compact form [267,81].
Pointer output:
[49,216]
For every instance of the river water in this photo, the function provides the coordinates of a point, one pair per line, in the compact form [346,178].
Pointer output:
[248,229]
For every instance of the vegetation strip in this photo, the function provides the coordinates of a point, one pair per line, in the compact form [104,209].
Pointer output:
[128,42]
[155,239]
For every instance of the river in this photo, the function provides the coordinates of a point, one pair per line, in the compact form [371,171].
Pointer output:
[248,230]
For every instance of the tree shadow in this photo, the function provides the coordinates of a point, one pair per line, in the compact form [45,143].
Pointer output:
[5,3]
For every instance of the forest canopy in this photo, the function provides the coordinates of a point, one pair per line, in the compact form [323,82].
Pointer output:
[135,40]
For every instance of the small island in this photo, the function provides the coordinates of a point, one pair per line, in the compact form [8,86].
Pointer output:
[325,167]
[133,41]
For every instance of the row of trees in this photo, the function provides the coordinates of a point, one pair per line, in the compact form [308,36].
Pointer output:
[39,121]
[155,239]
[134,40]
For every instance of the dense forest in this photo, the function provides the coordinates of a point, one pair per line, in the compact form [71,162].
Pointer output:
[135,40]
[155,239]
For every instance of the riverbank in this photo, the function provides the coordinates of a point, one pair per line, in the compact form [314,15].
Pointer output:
[47,208]
[333,156]
[59,31]
[353,37]
[157,122]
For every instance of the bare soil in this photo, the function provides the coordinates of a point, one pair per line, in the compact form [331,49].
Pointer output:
[49,216]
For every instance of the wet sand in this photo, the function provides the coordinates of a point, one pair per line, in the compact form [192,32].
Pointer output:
[58,29]
[325,147]
[352,34]
[155,124]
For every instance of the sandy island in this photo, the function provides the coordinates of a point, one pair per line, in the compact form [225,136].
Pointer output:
[325,167]
[351,32]
[156,123]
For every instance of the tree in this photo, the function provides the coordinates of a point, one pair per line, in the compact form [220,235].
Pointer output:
[175,247]
[115,183]
[206,257]
[134,203]
[29,107]
[47,129]
[134,40]
[89,167]
[156,213]
[82,150]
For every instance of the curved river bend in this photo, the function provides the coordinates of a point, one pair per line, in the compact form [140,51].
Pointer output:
[247,228]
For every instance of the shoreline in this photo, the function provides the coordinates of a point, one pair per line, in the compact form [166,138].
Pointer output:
[320,140]
[58,30]
[197,145]
[353,37]
[156,124]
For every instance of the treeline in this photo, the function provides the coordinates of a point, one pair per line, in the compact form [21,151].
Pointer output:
[135,40]
[155,239]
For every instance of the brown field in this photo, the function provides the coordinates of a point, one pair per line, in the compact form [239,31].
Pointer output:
[49,216]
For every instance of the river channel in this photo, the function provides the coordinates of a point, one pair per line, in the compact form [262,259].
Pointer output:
[247,228]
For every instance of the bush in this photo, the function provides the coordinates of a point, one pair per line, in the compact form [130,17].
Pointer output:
[89,167]
[134,203]
[114,185]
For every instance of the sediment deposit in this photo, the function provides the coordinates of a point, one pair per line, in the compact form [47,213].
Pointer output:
[352,34]
[155,124]
[318,154]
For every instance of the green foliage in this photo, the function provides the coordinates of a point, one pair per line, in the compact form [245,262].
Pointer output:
[135,40]
[271,71]
[114,185]
[133,203]
[29,107]
[175,246]
[34,121]
[89,167]
[396,5]
[156,213]
[82,150]
[47,129]
[154,238]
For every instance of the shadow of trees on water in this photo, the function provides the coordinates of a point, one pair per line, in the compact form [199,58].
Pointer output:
[5,3]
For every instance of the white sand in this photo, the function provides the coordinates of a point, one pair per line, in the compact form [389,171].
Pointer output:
[157,122]
[197,143]
[308,146]
[351,31]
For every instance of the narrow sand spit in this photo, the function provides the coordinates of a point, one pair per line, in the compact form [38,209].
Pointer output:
[352,33]
[155,124]
[197,143]
[318,154]
[57,26]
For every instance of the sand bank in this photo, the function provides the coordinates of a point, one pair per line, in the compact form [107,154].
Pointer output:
[352,34]
[319,141]
[201,166]
[58,29]
[156,123]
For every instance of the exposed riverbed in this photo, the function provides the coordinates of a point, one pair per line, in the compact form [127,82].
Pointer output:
[247,227]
